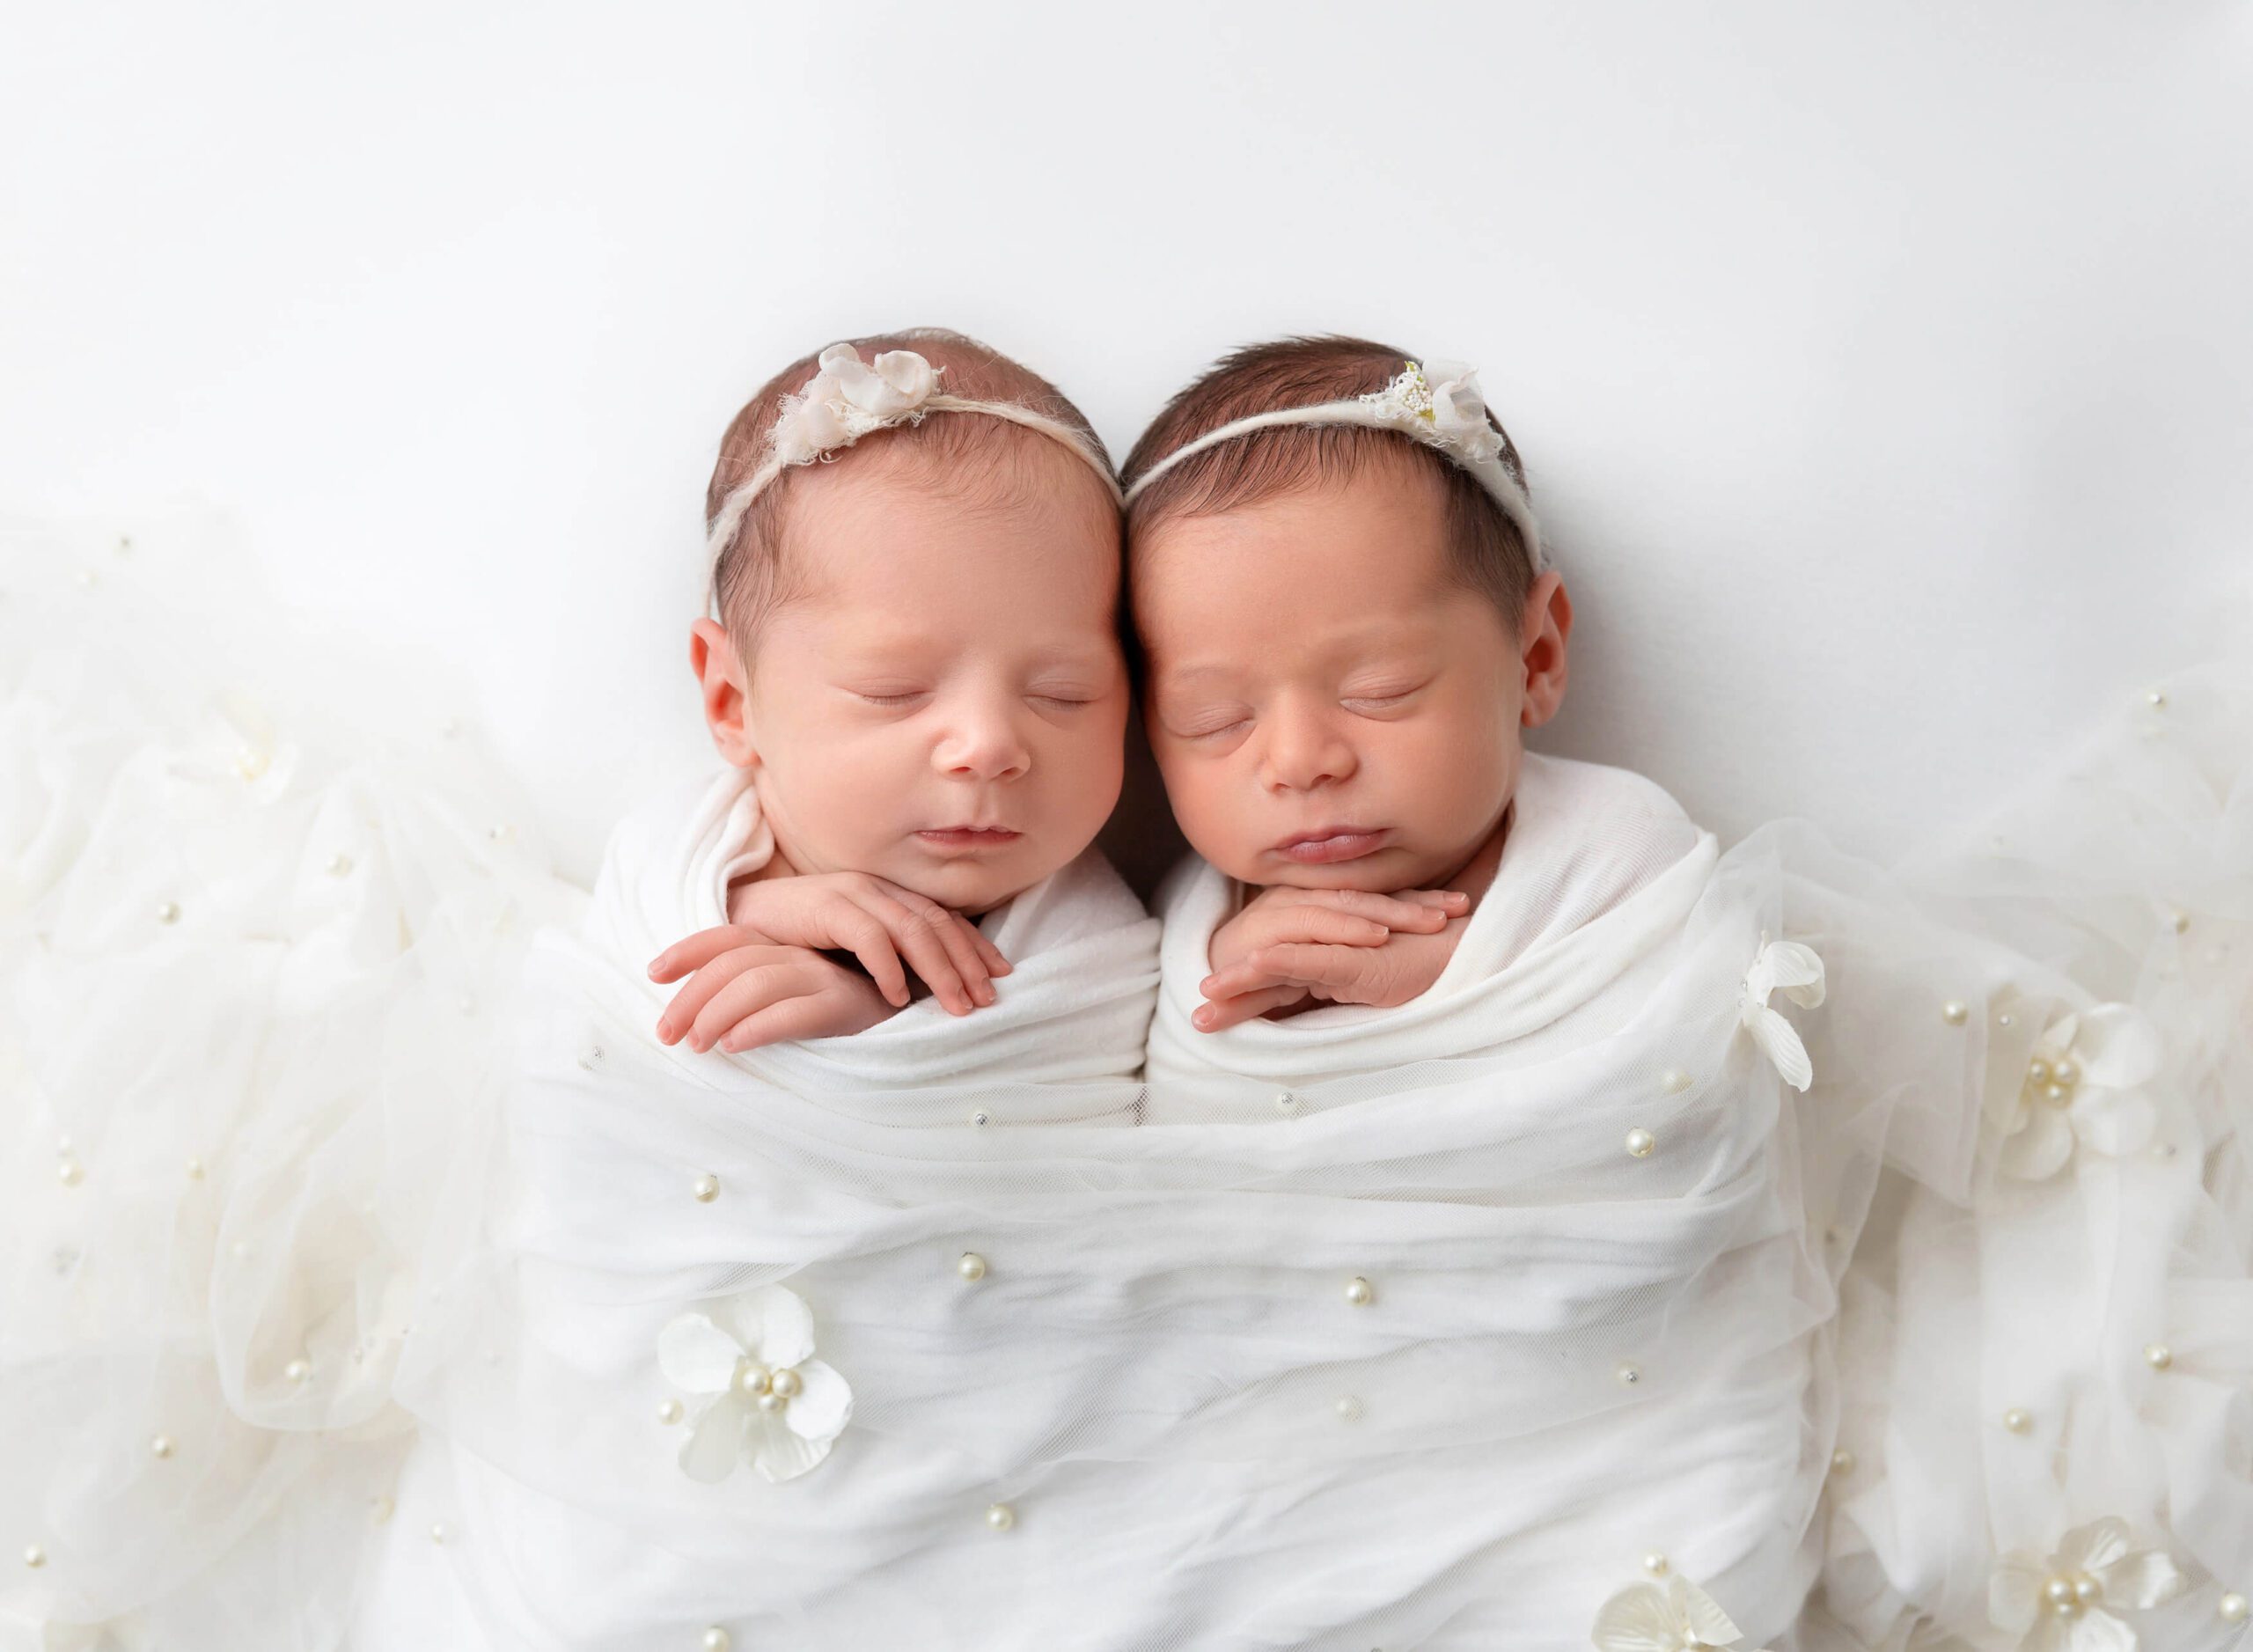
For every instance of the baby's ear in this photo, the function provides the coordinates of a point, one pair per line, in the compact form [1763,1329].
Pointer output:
[1542,636]
[725,688]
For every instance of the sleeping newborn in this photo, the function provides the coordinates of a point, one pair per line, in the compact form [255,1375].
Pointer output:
[1383,873]
[917,686]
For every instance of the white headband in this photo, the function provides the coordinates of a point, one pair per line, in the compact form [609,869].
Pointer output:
[848,398]
[1450,416]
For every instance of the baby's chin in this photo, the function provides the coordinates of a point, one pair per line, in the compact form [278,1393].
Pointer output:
[973,884]
[1385,872]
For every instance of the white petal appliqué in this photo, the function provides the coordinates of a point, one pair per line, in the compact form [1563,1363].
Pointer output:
[1797,971]
[788,1408]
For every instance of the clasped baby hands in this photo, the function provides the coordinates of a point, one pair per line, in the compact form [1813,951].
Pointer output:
[1291,948]
[762,977]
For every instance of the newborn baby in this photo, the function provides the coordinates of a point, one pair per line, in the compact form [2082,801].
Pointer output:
[1345,628]
[916,682]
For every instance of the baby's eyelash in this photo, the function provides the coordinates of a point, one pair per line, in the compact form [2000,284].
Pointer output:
[892,699]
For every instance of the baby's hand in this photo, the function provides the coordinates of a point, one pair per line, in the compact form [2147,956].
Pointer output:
[879,924]
[746,993]
[1290,946]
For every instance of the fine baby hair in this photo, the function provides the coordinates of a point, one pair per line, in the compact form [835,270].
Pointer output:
[1297,412]
[821,405]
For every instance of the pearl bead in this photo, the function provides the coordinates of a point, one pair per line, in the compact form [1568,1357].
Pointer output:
[981,1118]
[2156,700]
[440,1532]
[2159,1356]
[1954,1012]
[1358,1292]
[2037,1071]
[1348,1408]
[168,912]
[2179,919]
[298,1370]
[788,1383]
[2087,1590]
[1674,1081]
[35,1557]
[2060,1592]
[1001,1516]
[1842,1461]
[2053,1093]
[162,1445]
[70,1172]
[2233,1607]
[707,1189]
[1285,1102]
[716,1639]
[669,1412]
[1630,1375]
[972,1266]
[751,1377]
[380,1509]
[1640,1142]
[1656,1564]
[2003,1020]
[195,1169]
[2018,1420]
[339,865]
[2064,1072]
[772,1403]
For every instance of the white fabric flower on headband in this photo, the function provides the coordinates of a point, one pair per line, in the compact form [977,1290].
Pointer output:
[1439,403]
[848,397]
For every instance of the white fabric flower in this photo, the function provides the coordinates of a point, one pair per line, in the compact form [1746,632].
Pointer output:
[2083,1084]
[1441,403]
[2066,1602]
[848,397]
[1676,1616]
[1799,972]
[770,1400]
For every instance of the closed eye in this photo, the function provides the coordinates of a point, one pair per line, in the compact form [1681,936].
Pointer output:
[893,700]
[1378,702]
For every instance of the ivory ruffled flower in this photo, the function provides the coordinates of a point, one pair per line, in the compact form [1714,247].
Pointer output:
[848,397]
[2066,1602]
[1676,1616]
[768,1398]
[2083,1084]
[1441,403]
[1796,970]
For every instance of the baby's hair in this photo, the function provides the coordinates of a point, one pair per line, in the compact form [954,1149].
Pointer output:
[969,455]
[1487,553]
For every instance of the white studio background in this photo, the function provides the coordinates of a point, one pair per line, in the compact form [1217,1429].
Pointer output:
[1885,373]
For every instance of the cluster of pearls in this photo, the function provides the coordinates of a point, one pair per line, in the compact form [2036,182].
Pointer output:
[772,1391]
[2069,1594]
[2051,1082]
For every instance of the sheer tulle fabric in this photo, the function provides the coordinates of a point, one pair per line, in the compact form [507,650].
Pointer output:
[1440,1352]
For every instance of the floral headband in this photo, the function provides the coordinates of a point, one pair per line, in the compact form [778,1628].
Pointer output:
[848,398]
[1448,415]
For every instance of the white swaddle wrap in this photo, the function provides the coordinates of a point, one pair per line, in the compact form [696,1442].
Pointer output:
[1428,1343]
[1426,1370]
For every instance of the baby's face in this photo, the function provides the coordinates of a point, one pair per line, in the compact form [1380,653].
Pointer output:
[1330,711]
[945,706]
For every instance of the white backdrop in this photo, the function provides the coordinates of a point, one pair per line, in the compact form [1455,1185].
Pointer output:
[1885,374]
